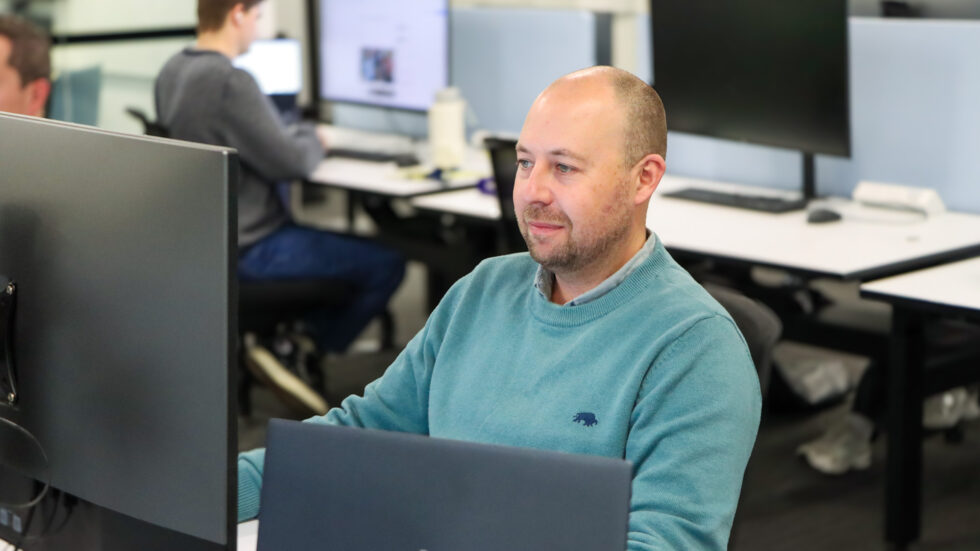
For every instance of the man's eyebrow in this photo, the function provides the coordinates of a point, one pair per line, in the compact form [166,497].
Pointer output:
[560,152]
[566,153]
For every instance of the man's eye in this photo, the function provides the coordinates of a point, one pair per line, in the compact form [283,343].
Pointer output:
[524,163]
[564,169]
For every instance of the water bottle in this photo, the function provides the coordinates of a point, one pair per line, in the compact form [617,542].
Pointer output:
[447,128]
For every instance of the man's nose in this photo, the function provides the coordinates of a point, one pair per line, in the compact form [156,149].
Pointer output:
[536,187]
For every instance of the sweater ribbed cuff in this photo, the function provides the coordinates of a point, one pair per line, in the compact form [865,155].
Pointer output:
[248,493]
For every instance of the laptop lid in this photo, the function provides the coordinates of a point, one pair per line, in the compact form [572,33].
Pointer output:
[329,487]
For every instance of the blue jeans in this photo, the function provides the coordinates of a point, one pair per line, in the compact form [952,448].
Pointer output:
[295,252]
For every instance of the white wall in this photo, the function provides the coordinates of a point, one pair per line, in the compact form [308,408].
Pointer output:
[90,16]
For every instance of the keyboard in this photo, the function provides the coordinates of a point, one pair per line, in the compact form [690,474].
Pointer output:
[762,203]
[400,159]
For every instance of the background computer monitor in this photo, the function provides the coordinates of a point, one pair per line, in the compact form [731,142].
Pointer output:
[384,53]
[276,64]
[123,251]
[768,72]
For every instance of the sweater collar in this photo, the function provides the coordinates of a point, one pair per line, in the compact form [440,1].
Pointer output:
[647,268]
[544,279]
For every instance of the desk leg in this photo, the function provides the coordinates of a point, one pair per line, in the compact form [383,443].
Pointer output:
[903,492]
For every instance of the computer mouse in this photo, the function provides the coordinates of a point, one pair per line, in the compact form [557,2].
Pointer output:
[821,215]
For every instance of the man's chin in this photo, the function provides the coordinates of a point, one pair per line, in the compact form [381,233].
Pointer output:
[553,261]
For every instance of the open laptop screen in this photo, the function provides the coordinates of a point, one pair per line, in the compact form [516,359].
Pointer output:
[277,65]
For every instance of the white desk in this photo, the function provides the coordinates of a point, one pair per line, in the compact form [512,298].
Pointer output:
[248,535]
[386,178]
[471,203]
[867,243]
[950,289]
[953,288]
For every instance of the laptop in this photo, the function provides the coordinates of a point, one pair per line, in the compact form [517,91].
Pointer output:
[341,488]
[277,66]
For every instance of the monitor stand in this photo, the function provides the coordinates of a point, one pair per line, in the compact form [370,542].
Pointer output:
[809,177]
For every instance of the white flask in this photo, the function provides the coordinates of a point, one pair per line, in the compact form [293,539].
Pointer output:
[447,128]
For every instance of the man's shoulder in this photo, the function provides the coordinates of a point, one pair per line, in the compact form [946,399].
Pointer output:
[498,272]
[198,66]
[676,296]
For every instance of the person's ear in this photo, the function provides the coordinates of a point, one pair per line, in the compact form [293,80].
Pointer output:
[237,13]
[38,91]
[650,170]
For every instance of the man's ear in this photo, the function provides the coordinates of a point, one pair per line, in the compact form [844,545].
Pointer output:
[650,170]
[38,91]
[237,13]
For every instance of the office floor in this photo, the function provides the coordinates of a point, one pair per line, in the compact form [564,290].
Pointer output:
[785,504]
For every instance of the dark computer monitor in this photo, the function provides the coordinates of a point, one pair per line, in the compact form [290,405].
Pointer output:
[767,72]
[383,53]
[123,252]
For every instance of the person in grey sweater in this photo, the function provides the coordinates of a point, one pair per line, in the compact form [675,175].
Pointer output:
[200,96]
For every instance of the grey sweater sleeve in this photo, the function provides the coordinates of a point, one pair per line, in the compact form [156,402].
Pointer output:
[272,150]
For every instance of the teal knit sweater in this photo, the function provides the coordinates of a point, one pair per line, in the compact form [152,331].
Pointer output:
[654,371]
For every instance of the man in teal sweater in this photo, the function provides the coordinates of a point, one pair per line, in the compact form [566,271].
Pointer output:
[596,342]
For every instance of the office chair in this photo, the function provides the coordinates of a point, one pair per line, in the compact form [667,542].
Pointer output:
[503,157]
[758,323]
[267,312]
[150,128]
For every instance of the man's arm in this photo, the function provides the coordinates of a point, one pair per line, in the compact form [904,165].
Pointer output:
[268,147]
[691,432]
[398,401]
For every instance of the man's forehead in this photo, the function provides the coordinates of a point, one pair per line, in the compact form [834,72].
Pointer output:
[565,123]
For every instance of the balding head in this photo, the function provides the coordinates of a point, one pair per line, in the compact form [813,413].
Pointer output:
[644,124]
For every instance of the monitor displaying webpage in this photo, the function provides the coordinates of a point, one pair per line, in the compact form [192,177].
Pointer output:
[387,53]
[277,65]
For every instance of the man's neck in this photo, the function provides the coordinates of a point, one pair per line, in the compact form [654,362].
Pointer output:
[569,285]
[219,42]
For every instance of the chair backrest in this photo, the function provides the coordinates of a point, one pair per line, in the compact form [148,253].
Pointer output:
[150,128]
[75,96]
[503,158]
[758,323]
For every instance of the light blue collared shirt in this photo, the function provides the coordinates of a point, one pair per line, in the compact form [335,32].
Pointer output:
[544,280]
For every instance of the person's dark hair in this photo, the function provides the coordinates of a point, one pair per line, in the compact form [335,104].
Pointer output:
[30,48]
[211,13]
[646,122]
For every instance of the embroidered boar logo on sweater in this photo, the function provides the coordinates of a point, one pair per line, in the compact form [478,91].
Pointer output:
[586,418]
